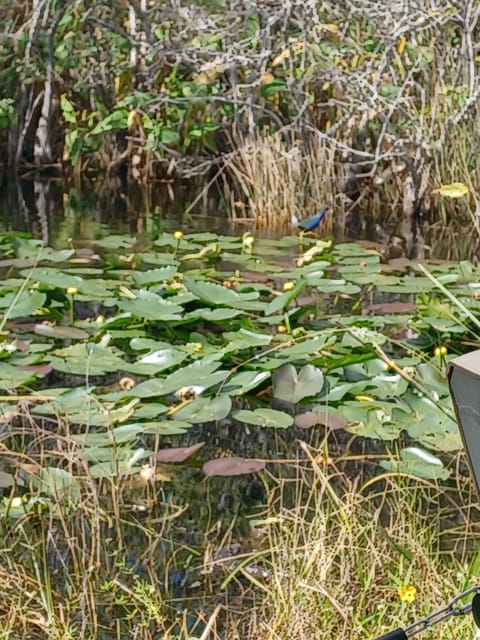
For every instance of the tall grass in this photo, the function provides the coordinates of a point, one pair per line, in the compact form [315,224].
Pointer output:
[325,557]
[278,181]
[341,553]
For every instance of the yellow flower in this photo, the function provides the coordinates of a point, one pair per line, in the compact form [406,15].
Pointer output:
[72,291]
[281,328]
[364,398]
[178,235]
[407,593]
[440,351]
[288,286]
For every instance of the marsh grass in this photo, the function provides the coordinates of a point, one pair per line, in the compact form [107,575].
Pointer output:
[330,551]
[341,553]
[277,181]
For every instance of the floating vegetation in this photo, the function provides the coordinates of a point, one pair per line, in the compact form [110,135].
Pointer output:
[126,348]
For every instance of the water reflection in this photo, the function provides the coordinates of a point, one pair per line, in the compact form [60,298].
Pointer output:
[55,211]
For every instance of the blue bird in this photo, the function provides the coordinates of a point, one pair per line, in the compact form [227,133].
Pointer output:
[310,224]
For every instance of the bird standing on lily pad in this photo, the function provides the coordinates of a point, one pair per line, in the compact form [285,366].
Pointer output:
[310,224]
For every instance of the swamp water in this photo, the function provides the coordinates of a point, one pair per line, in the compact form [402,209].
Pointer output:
[126,346]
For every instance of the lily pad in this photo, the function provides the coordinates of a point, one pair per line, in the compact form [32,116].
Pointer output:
[150,306]
[25,304]
[265,418]
[58,483]
[205,409]
[153,276]
[325,416]
[178,454]
[292,387]
[60,332]
[232,466]
[417,462]
[199,375]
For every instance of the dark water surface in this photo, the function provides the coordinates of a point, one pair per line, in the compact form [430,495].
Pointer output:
[58,211]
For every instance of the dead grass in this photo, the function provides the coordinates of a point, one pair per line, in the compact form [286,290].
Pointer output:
[275,181]
[325,559]
[340,554]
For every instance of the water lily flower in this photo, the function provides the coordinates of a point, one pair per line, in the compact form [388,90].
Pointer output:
[178,235]
[72,291]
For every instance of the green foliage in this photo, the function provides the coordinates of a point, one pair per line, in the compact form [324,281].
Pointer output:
[190,340]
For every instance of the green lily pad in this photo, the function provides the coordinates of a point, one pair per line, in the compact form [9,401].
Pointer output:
[245,381]
[205,409]
[150,306]
[154,275]
[417,462]
[86,359]
[245,339]
[265,418]
[216,294]
[54,278]
[19,306]
[292,387]
[199,375]
[58,483]
[12,377]
[157,361]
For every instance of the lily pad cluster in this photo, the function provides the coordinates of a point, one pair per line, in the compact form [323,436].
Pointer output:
[136,341]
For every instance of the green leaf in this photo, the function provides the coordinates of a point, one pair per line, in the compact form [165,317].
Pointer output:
[168,136]
[167,427]
[417,462]
[150,306]
[157,361]
[265,418]
[58,483]
[12,377]
[205,409]
[199,375]
[212,315]
[116,120]
[68,110]
[55,278]
[216,294]
[152,276]
[118,435]
[86,358]
[27,303]
[431,426]
[292,387]
[31,248]
[116,242]
[374,419]
[270,89]
[245,381]
[283,300]
[245,339]
[112,469]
